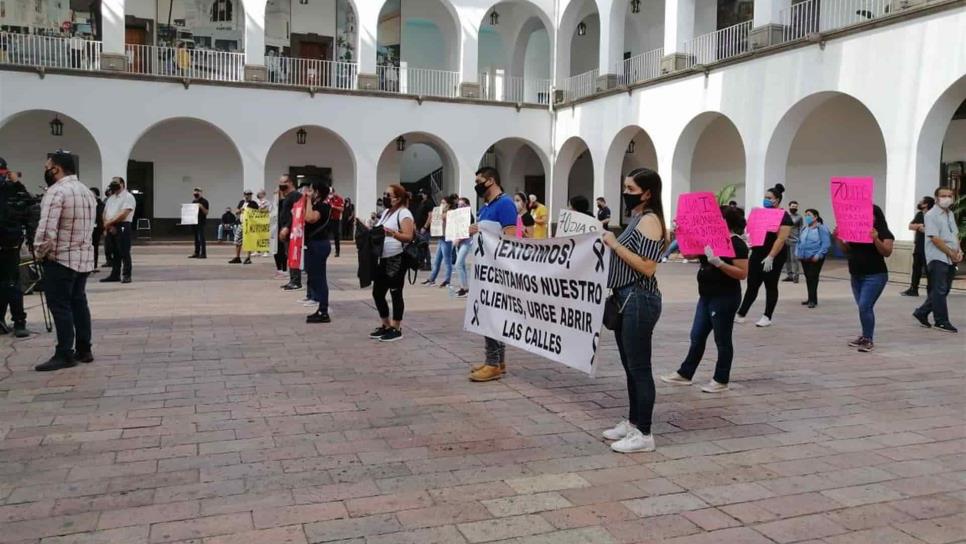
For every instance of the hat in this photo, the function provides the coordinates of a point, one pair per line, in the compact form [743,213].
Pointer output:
[247,191]
[198,189]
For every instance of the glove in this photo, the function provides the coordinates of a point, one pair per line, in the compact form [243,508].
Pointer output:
[709,254]
[768,263]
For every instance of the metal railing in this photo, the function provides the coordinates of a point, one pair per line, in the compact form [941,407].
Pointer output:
[804,18]
[516,89]
[719,45]
[190,63]
[581,85]
[418,81]
[50,51]
[640,67]
[312,72]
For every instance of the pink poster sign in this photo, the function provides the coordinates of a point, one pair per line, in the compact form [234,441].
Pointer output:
[699,224]
[761,221]
[852,204]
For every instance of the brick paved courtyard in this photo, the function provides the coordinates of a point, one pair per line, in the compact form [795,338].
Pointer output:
[213,414]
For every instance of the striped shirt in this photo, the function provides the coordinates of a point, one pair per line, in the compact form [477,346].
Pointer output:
[67,215]
[621,273]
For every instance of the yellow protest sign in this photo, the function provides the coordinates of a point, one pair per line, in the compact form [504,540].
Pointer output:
[256,225]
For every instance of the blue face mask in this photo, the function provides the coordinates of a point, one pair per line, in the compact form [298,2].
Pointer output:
[809,219]
[767,203]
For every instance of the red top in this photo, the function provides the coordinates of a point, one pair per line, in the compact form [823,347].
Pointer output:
[338,204]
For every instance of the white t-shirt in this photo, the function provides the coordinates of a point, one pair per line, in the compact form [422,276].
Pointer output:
[116,203]
[392,247]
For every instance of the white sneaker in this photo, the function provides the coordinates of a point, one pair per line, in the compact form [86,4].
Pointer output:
[634,442]
[685,261]
[310,303]
[675,379]
[763,322]
[619,431]
[739,319]
[715,387]
[304,300]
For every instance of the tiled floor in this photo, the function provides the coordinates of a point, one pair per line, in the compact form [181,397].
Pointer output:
[214,414]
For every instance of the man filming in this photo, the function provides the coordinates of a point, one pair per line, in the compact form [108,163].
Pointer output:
[18,214]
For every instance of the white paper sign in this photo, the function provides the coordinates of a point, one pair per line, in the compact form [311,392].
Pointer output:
[458,224]
[189,214]
[571,223]
[542,296]
[273,230]
[436,224]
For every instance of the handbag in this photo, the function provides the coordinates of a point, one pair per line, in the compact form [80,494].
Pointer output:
[614,312]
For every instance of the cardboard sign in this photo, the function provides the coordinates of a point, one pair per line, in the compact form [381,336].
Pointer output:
[571,223]
[189,214]
[762,221]
[256,230]
[296,234]
[436,223]
[852,205]
[699,224]
[458,224]
[542,296]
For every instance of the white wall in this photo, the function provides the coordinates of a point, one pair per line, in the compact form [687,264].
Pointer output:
[537,58]
[719,159]
[417,161]
[492,54]
[705,16]
[429,36]
[26,140]
[954,144]
[188,154]
[644,31]
[321,149]
[143,9]
[584,50]
[316,17]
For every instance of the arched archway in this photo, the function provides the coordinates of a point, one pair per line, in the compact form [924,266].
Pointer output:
[810,145]
[321,152]
[631,148]
[578,46]
[523,167]
[27,137]
[514,52]
[709,155]
[200,24]
[942,140]
[419,47]
[303,40]
[418,160]
[637,38]
[175,155]
[573,174]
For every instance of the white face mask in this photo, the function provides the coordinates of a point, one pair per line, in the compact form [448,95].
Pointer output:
[945,202]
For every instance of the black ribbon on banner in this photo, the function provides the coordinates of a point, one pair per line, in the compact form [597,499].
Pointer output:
[480,252]
[476,313]
[594,354]
[599,252]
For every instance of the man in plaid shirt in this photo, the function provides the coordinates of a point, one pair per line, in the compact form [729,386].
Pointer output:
[63,243]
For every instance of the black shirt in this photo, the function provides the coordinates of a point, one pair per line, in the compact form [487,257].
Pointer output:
[762,251]
[422,213]
[202,203]
[920,244]
[712,281]
[865,259]
[227,218]
[320,229]
[285,210]
[242,205]
[527,219]
[603,214]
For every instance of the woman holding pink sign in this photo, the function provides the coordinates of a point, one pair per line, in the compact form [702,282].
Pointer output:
[767,260]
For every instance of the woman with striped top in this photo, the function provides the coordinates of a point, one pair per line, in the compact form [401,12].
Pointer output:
[634,258]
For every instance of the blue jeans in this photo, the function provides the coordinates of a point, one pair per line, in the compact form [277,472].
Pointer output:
[670,249]
[866,290]
[461,254]
[940,277]
[316,255]
[444,254]
[642,309]
[66,291]
[716,314]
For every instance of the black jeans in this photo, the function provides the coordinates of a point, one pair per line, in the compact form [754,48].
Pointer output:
[67,297]
[201,246]
[812,270]
[281,256]
[10,292]
[382,284]
[716,313]
[336,235]
[918,265]
[96,242]
[316,255]
[940,280]
[642,309]
[121,240]
[756,277]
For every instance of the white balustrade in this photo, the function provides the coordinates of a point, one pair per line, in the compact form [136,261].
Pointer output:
[501,88]
[419,81]
[581,85]
[640,67]
[50,51]
[719,45]
[205,64]
[810,16]
[312,72]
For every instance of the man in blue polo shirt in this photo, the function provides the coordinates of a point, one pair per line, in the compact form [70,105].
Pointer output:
[498,212]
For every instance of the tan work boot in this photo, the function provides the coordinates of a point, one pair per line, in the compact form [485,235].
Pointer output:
[486,374]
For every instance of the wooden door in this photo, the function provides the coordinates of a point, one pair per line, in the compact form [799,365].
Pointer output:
[137,58]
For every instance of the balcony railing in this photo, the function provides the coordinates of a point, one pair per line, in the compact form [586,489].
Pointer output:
[719,45]
[581,85]
[190,63]
[640,67]
[50,51]
[804,18]
[418,81]
[312,72]
[501,88]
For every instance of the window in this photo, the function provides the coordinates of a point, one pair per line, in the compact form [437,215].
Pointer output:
[221,11]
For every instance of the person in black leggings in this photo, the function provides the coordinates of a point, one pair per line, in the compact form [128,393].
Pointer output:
[390,275]
[766,262]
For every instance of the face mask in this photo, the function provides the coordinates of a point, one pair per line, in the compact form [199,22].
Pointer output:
[519,206]
[197,195]
[767,203]
[49,177]
[386,202]
[481,189]
[793,210]
[945,202]
[809,219]
[631,201]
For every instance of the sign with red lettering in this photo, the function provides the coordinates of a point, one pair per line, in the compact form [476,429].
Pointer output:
[700,223]
[296,235]
[761,221]
[852,204]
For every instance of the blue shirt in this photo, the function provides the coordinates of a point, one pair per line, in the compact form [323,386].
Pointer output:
[813,242]
[502,211]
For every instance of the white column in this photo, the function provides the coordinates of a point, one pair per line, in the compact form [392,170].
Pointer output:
[366,186]
[367,16]
[113,163]
[469,61]
[678,25]
[112,21]
[255,33]
[611,37]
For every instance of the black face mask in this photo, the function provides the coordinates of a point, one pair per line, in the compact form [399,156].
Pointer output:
[631,201]
[793,211]
[386,202]
[49,177]
[480,189]
[197,195]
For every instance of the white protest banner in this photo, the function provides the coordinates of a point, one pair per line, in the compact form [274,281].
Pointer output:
[458,224]
[542,296]
[571,223]
[436,224]
[273,231]
[189,214]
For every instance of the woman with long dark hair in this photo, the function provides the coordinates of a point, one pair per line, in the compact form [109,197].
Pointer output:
[525,221]
[719,293]
[634,258]
[318,214]
[766,262]
[814,242]
[390,277]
